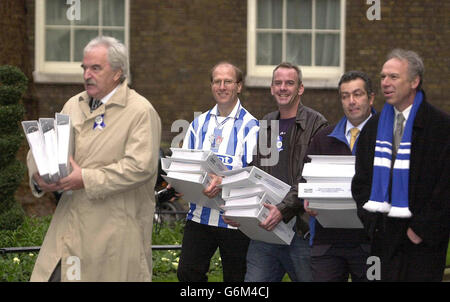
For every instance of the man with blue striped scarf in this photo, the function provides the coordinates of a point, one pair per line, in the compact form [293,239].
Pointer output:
[230,131]
[402,171]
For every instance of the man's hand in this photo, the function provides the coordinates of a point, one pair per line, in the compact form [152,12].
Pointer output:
[413,236]
[212,190]
[231,222]
[74,181]
[177,195]
[273,219]
[43,186]
[308,210]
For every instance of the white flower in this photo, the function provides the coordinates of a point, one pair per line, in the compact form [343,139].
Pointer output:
[16,260]
[175,264]
[31,254]
[165,259]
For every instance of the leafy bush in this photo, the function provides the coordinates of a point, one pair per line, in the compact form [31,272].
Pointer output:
[13,84]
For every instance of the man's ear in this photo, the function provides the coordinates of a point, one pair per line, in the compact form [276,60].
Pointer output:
[301,89]
[371,99]
[415,82]
[117,75]
[239,89]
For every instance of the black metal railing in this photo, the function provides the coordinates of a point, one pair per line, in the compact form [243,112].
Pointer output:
[28,249]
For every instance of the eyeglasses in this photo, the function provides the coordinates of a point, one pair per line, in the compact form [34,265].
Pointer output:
[226,83]
[357,95]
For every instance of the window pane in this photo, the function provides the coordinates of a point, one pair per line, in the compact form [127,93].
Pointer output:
[299,14]
[327,50]
[298,49]
[268,49]
[113,12]
[328,14]
[56,12]
[82,38]
[88,13]
[118,34]
[57,45]
[269,14]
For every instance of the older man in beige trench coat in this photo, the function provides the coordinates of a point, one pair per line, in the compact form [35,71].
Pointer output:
[101,229]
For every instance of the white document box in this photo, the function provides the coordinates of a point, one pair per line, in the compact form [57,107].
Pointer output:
[253,176]
[325,190]
[192,186]
[36,143]
[65,143]
[249,201]
[341,215]
[51,146]
[249,220]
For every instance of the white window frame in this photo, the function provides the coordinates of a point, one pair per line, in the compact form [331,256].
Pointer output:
[61,72]
[313,76]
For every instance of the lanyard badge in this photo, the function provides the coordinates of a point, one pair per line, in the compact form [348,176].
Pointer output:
[216,139]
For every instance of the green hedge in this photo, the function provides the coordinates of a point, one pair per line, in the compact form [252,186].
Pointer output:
[9,145]
[13,217]
[13,77]
[10,117]
[13,84]
[10,178]
[9,95]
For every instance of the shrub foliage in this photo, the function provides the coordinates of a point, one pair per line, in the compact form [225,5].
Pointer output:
[13,84]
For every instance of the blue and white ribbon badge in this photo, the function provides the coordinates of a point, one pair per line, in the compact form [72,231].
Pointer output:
[99,122]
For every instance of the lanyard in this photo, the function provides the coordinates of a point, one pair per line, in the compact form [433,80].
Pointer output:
[219,126]
[216,137]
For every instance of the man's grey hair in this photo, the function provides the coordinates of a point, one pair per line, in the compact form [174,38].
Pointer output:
[117,53]
[290,66]
[415,63]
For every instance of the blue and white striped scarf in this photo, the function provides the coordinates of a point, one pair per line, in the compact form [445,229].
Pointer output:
[379,196]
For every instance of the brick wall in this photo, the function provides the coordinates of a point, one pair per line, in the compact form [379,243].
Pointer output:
[422,26]
[173,45]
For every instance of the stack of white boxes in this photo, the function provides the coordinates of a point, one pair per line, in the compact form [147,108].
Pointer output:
[187,172]
[244,192]
[51,143]
[328,190]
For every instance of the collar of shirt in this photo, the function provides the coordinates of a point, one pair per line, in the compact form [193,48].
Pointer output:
[109,95]
[349,126]
[405,114]
[234,113]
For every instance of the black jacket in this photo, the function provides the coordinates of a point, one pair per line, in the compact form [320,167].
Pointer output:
[324,144]
[429,189]
[308,122]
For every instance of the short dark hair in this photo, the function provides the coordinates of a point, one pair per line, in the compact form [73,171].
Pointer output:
[289,65]
[356,74]
[237,71]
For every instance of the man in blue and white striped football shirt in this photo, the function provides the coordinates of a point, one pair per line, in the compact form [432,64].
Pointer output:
[230,132]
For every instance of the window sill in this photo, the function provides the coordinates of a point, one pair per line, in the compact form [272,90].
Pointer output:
[264,82]
[57,78]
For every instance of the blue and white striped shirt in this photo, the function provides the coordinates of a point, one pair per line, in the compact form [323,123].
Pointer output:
[238,139]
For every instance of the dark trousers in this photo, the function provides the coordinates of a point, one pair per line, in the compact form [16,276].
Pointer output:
[334,263]
[200,242]
[402,260]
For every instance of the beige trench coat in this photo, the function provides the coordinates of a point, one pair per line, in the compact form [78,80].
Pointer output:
[108,224]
